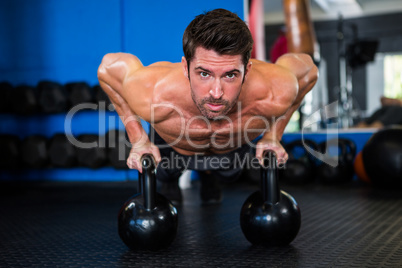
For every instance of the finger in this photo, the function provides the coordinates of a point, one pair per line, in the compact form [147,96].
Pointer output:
[264,149]
[284,158]
[156,154]
[279,154]
[258,154]
[133,162]
[281,160]
[130,163]
[275,152]
[138,166]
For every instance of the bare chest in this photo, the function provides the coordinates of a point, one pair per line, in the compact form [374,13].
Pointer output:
[195,134]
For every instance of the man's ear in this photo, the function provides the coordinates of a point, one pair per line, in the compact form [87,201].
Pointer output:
[248,69]
[184,65]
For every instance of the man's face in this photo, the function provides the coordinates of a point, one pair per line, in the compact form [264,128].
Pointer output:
[215,81]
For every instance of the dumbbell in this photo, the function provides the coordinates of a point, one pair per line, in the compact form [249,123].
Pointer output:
[300,166]
[148,220]
[270,217]
[34,151]
[91,156]
[118,148]
[78,93]
[5,97]
[62,152]
[10,152]
[52,97]
[23,100]
[341,168]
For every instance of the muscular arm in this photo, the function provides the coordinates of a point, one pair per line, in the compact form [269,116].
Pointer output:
[295,77]
[120,76]
[306,74]
[113,74]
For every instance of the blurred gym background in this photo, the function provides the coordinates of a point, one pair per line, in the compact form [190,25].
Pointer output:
[50,52]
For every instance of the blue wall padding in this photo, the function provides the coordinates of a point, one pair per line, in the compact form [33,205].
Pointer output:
[65,40]
[154,30]
[57,40]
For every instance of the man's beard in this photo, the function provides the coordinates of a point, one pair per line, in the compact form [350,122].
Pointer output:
[213,115]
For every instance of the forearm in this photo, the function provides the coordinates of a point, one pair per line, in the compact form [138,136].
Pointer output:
[306,73]
[131,121]
[277,128]
[112,74]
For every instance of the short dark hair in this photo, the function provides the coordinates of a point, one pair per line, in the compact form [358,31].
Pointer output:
[219,30]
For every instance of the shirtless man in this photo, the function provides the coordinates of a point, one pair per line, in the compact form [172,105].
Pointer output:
[210,106]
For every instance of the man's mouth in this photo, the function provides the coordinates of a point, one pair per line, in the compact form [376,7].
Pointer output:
[214,106]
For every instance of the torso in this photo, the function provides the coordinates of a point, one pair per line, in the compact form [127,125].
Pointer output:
[177,120]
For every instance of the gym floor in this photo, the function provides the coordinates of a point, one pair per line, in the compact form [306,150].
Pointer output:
[58,224]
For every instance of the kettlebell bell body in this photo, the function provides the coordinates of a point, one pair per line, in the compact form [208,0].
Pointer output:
[270,217]
[267,224]
[148,220]
[142,228]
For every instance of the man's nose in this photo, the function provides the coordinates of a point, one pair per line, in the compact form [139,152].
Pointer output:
[216,92]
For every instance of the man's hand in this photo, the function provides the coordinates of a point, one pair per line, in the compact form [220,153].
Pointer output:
[140,148]
[274,145]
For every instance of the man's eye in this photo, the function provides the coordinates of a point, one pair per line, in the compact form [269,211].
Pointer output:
[204,74]
[230,75]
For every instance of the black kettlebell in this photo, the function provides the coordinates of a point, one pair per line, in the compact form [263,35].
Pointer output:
[148,220]
[270,217]
[299,169]
[336,168]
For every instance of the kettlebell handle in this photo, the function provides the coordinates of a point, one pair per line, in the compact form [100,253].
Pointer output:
[269,178]
[147,181]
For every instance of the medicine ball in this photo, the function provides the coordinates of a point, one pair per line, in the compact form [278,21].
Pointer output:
[382,157]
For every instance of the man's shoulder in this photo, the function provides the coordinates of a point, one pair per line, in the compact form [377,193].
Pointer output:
[270,77]
[272,84]
[163,85]
[156,72]
[270,70]
[163,66]
[166,64]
